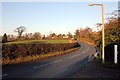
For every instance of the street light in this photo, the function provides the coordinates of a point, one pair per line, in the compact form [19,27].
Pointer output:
[103,33]
[90,4]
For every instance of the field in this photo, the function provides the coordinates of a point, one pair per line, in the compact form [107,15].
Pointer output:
[39,41]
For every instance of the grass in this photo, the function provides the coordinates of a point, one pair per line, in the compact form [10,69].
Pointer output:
[34,57]
[39,41]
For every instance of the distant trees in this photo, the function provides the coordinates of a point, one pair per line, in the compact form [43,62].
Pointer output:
[53,35]
[37,35]
[4,38]
[59,36]
[29,36]
[76,36]
[20,30]
[87,34]
[43,37]
[84,34]
[70,35]
[11,37]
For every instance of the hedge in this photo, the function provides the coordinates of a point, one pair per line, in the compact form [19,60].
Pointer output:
[13,51]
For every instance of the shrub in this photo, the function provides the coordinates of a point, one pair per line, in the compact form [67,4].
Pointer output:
[4,38]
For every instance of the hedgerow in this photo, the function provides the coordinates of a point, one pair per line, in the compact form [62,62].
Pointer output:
[13,51]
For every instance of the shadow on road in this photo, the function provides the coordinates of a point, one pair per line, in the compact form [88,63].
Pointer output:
[73,68]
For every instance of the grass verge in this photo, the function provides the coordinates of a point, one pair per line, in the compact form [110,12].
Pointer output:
[39,41]
[6,61]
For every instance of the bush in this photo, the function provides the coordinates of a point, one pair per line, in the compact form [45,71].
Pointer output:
[13,51]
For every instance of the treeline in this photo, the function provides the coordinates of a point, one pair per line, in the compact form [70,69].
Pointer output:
[86,35]
[33,36]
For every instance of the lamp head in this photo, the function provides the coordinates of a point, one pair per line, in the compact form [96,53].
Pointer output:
[90,4]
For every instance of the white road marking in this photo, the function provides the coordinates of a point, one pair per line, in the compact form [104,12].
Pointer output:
[47,64]
[61,60]
[58,61]
[83,52]
[55,61]
[74,55]
[87,49]
[4,74]
[40,66]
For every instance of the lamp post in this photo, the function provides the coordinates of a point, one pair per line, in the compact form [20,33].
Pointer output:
[103,33]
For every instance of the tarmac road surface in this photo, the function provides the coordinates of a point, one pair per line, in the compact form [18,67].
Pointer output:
[54,67]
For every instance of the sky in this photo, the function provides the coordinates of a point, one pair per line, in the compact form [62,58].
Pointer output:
[47,17]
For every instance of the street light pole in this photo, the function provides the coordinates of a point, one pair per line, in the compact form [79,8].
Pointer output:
[103,35]
[103,31]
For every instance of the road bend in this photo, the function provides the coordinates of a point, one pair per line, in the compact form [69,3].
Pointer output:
[55,67]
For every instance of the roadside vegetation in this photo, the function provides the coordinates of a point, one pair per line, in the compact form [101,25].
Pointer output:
[21,51]
[6,61]
[112,36]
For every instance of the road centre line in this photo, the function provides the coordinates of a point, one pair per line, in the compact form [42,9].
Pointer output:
[47,64]
[85,51]
[74,55]
[60,60]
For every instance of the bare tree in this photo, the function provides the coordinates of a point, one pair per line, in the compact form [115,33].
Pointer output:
[20,30]
[69,35]
[37,35]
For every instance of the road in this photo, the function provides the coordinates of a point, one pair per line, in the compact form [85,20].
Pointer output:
[55,67]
